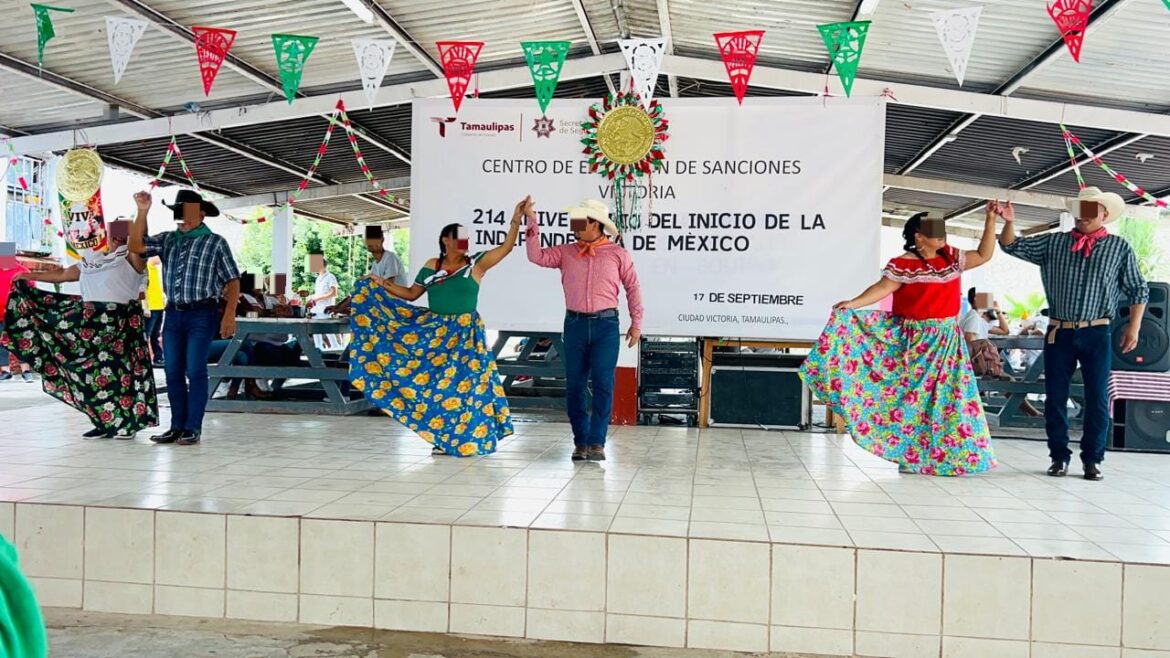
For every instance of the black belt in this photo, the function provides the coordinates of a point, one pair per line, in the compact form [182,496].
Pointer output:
[600,315]
[193,306]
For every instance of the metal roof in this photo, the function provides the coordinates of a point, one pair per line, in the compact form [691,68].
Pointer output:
[1016,52]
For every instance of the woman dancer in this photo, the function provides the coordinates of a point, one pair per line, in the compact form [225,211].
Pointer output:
[903,381]
[431,369]
[91,350]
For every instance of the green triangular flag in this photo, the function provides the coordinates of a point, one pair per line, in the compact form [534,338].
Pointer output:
[845,42]
[45,28]
[292,51]
[545,60]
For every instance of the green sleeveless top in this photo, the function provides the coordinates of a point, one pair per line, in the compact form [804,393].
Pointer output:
[455,295]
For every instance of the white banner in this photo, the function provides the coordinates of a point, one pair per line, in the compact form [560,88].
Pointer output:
[956,31]
[122,34]
[767,215]
[373,58]
[644,59]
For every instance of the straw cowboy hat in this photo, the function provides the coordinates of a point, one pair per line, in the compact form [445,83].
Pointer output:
[597,211]
[1114,204]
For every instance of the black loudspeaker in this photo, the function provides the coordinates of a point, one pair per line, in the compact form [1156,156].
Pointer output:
[1147,426]
[774,398]
[1153,350]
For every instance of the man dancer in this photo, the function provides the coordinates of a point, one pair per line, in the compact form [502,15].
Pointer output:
[592,271]
[1085,272]
[198,272]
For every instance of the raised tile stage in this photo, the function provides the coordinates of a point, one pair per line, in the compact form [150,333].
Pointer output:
[721,539]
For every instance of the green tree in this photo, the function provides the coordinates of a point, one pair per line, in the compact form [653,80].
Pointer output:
[256,251]
[1142,235]
[344,250]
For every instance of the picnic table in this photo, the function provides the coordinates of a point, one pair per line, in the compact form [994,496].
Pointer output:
[325,377]
[1004,398]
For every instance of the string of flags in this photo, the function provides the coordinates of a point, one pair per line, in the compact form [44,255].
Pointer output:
[1071,140]
[845,42]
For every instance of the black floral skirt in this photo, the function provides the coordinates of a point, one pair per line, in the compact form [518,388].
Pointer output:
[91,356]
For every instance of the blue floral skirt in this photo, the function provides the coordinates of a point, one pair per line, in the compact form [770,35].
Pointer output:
[432,373]
[906,389]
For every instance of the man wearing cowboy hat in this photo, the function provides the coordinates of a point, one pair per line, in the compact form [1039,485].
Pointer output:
[592,272]
[199,273]
[1085,273]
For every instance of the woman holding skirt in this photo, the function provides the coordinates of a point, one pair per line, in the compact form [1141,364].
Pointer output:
[91,351]
[430,369]
[903,380]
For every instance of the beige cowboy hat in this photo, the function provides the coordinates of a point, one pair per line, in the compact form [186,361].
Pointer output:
[597,211]
[1114,204]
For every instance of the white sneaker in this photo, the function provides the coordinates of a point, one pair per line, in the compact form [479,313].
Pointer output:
[126,435]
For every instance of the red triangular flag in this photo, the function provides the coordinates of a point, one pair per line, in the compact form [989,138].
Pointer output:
[211,45]
[1072,19]
[458,58]
[739,50]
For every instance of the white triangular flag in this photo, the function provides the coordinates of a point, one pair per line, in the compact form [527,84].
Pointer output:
[122,34]
[644,59]
[956,30]
[373,57]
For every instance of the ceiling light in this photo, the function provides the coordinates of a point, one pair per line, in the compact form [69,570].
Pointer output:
[362,11]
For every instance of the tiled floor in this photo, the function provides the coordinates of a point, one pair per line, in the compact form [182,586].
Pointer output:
[720,484]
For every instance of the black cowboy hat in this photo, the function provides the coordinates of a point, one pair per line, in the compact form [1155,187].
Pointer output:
[191,196]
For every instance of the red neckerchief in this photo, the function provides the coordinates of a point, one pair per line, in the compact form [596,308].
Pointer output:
[590,248]
[1084,242]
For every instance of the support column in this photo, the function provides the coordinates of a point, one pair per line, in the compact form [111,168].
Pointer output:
[282,246]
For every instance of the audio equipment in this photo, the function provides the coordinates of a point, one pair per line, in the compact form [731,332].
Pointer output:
[1144,425]
[773,398]
[1153,351]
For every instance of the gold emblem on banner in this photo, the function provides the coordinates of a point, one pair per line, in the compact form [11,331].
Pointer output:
[79,175]
[626,134]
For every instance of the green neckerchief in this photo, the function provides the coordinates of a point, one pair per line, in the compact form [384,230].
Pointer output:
[22,629]
[176,236]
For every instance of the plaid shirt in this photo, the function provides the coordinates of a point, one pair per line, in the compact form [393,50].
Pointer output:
[1083,288]
[195,269]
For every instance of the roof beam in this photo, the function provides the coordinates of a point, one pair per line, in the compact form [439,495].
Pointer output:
[505,78]
[665,31]
[970,191]
[591,37]
[403,38]
[248,70]
[1049,54]
[1049,112]
[314,193]
[982,192]
[86,91]
[954,100]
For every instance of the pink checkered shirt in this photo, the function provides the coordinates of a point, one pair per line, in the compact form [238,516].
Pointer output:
[591,283]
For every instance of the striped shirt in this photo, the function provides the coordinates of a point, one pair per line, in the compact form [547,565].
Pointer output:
[194,269]
[1081,288]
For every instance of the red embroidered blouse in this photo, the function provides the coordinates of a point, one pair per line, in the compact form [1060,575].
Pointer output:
[931,289]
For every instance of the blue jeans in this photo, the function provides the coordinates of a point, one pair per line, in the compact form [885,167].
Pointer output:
[154,327]
[591,355]
[187,338]
[1091,347]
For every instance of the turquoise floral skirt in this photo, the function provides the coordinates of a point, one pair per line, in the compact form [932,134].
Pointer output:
[905,388]
[432,373]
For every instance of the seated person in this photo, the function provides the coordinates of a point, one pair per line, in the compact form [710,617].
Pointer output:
[976,326]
